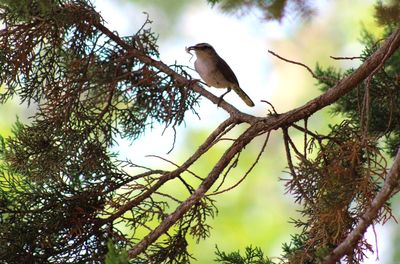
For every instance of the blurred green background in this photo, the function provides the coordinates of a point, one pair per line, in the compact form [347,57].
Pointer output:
[258,211]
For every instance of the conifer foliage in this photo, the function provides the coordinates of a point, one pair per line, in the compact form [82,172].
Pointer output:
[58,176]
[66,197]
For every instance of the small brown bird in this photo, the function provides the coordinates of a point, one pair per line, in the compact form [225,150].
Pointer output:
[216,72]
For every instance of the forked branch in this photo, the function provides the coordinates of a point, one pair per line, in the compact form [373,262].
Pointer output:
[259,125]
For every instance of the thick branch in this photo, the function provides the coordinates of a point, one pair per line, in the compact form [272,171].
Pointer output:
[258,124]
[267,124]
[207,144]
[391,182]
[341,88]
[226,158]
[332,95]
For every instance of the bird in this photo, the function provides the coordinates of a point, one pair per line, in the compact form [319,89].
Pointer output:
[216,72]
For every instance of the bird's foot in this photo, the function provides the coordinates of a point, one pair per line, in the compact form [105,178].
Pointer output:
[221,97]
[219,101]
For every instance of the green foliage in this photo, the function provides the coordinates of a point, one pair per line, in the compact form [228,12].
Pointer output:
[46,59]
[58,177]
[64,193]
[115,255]
[375,103]
[51,206]
[388,13]
[272,9]
[297,244]
[39,10]
[252,255]
[24,10]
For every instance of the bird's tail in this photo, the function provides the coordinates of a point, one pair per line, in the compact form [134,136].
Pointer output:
[243,95]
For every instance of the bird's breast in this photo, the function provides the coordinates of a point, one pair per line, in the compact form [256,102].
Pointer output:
[210,74]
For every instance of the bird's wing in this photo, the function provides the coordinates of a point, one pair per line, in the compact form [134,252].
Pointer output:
[227,71]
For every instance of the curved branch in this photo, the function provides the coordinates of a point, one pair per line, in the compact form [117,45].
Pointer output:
[216,192]
[300,64]
[258,124]
[170,220]
[269,123]
[370,66]
[391,182]
[207,144]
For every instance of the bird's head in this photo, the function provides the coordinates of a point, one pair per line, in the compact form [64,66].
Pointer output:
[202,49]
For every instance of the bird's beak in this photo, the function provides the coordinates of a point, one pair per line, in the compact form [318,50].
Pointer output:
[191,48]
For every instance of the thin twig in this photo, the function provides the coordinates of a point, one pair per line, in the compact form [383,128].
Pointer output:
[305,138]
[174,140]
[295,178]
[364,117]
[314,135]
[346,58]
[176,165]
[294,147]
[231,166]
[273,108]
[169,196]
[248,171]
[303,65]
[199,193]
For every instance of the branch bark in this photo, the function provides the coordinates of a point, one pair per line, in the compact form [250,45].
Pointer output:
[207,144]
[236,147]
[259,125]
[391,182]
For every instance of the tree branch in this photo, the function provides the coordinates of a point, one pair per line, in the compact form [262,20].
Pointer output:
[207,144]
[170,220]
[296,63]
[391,182]
[258,124]
[341,88]
[179,78]
[217,191]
